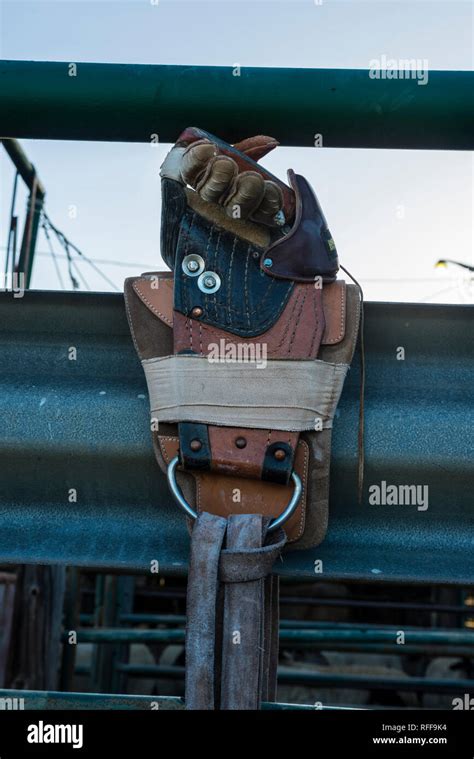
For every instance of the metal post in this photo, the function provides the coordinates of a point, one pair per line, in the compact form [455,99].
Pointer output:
[142,103]
[34,208]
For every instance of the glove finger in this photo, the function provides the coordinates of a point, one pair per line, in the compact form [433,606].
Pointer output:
[195,161]
[245,196]
[217,179]
[271,205]
[256,147]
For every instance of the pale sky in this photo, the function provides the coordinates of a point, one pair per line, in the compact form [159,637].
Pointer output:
[392,213]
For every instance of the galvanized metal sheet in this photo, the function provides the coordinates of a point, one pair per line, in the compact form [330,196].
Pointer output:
[83,424]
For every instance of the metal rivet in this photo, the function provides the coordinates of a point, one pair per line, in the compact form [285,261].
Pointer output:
[209,282]
[195,445]
[280,454]
[196,312]
[255,254]
[193,265]
[240,442]
[268,262]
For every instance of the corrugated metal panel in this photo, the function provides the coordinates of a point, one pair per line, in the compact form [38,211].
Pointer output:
[84,424]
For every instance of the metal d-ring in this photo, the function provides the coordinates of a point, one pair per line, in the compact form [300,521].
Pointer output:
[277,522]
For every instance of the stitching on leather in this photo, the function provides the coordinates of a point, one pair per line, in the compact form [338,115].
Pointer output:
[189,226]
[163,449]
[214,266]
[190,223]
[303,505]
[197,480]
[356,331]
[150,305]
[297,321]
[208,243]
[289,319]
[190,333]
[246,285]
[342,312]
[229,278]
[316,329]
[132,330]
[185,288]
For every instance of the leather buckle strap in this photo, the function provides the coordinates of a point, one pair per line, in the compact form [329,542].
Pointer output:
[188,509]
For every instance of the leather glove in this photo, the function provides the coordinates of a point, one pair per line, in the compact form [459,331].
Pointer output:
[297,244]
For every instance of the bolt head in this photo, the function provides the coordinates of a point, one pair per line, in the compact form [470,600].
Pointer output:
[193,265]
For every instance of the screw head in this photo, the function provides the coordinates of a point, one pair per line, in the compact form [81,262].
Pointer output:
[193,265]
[209,282]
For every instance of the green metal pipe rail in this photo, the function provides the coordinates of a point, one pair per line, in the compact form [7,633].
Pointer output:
[130,103]
[290,676]
[57,700]
[293,637]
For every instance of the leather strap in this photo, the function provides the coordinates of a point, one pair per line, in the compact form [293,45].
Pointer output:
[206,543]
[232,613]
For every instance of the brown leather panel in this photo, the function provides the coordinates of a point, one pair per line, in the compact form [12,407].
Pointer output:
[297,333]
[228,459]
[160,301]
[334,306]
[256,497]
[151,336]
[157,294]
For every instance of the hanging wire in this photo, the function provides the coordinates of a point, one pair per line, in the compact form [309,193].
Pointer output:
[74,281]
[361,436]
[68,246]
[440,292]
[44,226]
[79,274]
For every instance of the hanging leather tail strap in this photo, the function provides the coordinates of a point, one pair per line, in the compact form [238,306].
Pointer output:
[201,606]
[232,629]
